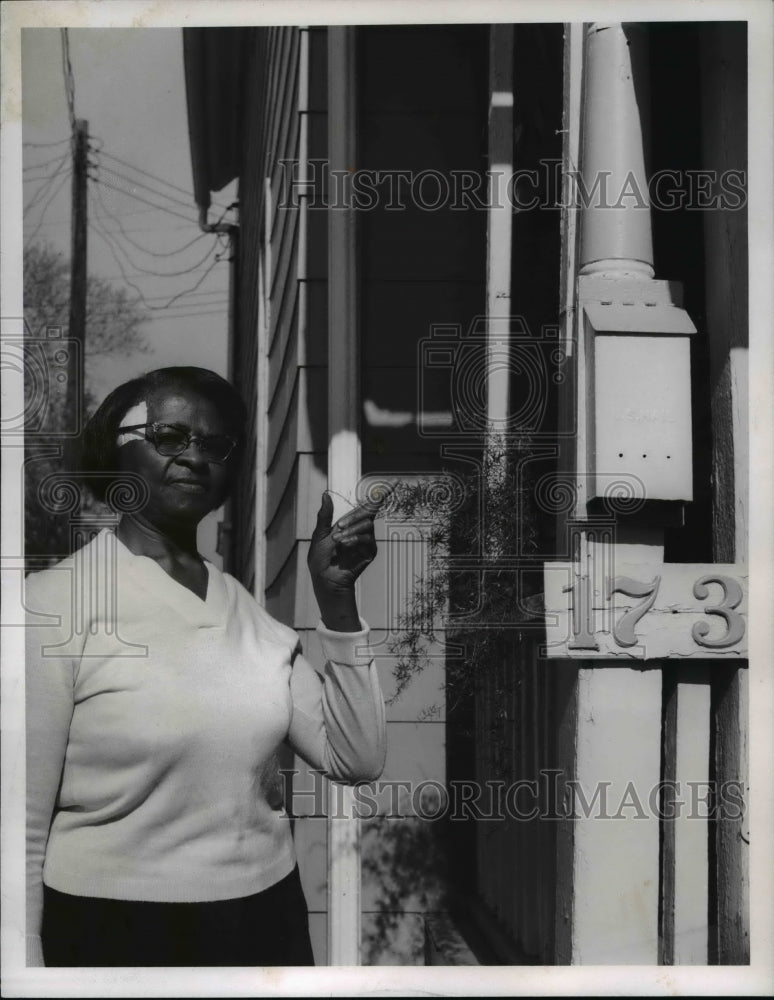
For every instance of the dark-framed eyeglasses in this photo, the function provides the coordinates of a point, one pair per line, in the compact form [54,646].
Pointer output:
[170,440]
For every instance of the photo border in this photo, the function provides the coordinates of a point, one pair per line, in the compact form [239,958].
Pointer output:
[756,979]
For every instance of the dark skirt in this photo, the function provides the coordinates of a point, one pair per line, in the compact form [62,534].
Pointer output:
[268,928]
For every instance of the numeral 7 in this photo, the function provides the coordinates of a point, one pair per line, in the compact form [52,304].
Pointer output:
[623,629]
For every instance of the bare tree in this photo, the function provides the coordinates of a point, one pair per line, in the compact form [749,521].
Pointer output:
[114,322]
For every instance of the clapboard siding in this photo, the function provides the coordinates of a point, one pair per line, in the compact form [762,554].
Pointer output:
[298,414]
[287,342]
[307,475]
[281,533]
[284,414]
[289,596]
[273,117]
[278,68]
[283,107]
[285,337]
[279,472]
[313,335]
[277,175]
[290,403]
[244,362]
[306,481]
[278,171]
[283,254]
[317,99]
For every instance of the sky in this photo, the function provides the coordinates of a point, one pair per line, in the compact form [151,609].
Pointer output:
[129,86]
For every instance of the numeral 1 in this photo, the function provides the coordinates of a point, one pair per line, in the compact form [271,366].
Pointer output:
[582,635]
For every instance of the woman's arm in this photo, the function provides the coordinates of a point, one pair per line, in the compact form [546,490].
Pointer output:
[338,721]
[49,702]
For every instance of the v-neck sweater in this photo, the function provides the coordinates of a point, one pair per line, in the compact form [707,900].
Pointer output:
[153,720]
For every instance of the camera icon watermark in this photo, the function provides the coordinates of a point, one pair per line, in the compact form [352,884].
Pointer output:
[457,370]
[52,405]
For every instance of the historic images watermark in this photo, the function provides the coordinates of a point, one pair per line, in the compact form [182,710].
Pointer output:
[543,187]
[550,796]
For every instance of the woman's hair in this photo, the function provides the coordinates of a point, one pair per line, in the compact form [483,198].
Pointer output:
[99,454]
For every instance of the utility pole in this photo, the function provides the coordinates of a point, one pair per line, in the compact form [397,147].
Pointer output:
[78,276]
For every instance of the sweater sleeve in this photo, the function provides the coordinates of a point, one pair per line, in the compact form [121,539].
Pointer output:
[49,709]
[338,722]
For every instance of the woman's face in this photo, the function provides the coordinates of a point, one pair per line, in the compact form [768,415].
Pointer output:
[185,487]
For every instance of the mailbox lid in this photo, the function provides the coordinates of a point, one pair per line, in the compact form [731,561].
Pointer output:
[645,317]
[642,417]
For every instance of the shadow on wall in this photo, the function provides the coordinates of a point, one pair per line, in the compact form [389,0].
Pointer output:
[405,874]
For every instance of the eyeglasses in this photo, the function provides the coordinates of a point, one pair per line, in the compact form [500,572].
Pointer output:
[170,441]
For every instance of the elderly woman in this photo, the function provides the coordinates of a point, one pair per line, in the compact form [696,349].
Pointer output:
[158,692]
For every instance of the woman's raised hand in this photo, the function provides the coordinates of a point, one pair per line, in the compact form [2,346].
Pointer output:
[338,554]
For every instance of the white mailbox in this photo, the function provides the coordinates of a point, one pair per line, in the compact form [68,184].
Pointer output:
[638,390]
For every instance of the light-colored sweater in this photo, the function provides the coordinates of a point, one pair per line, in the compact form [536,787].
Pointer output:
[153,718]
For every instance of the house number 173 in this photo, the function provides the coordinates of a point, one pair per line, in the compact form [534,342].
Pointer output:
[624,628]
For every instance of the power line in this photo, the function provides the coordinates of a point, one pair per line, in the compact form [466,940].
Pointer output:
[184,304]
[117,176]
[40,166]
[144,229]
[217,258]
[137,197]
[138,246]
[54,193]
[192,315]
[147,173]
[145,270]
[213,291]
[155,177]
[46,185]
[120,277]
[46,145]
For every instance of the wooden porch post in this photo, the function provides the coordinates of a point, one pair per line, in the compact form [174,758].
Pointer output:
[634,882]
[607,905]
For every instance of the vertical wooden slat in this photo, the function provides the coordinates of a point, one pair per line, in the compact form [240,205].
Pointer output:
[538,871]
[685,861]
[563,688]
[528,937]
[731,931]
[525,908]
[548,806]
[724,148]
[513,776]
[615,919]
[691,834]
[481,743]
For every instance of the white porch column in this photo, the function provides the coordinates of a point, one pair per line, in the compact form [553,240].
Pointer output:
[499,225]
[343,456]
